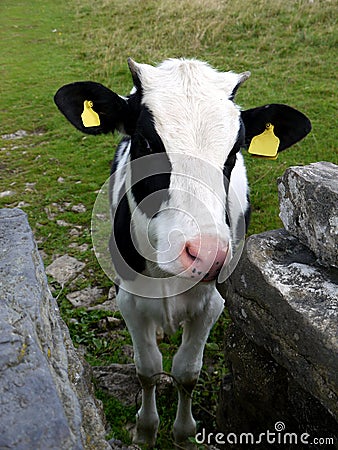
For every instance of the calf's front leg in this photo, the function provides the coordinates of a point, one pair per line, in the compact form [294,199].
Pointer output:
[148,362]
[187,364]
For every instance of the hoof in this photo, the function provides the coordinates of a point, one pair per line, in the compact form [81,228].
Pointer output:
[145,435]
[183,434]
[185,445]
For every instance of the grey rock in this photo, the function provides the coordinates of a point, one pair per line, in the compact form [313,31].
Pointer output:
[112,293]
[81,248]
[19,134]
[118,445]
[128,351]
[46,398]
[85,297]
[75,232]
[108,305]
[119,380]
[23,204]
[113,321]
[258,393]
[78,281]
[64,268]
[80,376]
[7,194]
[63,223]
[309,208]
[287,304]
[80,208]
[30,187]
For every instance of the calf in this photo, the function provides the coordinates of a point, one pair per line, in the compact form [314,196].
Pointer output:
[180,207]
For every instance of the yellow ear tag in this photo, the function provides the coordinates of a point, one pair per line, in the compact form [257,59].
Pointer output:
[89,117]
[265,145]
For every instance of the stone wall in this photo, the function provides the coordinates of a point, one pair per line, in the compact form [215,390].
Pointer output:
[282,347]
[46,398]
[309,208]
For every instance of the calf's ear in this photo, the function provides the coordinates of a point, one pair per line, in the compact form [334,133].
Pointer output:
[290,125]
[91,107]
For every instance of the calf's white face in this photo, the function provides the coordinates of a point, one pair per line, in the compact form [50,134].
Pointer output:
[191,109]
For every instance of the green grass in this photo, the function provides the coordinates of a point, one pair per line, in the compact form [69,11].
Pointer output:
[289,46]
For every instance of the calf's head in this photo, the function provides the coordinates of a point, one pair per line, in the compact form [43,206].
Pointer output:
[185,135]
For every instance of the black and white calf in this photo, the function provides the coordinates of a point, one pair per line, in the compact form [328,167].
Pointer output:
[180,206]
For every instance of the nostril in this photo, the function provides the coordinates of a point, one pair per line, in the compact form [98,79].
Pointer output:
[191,251]
[191,256]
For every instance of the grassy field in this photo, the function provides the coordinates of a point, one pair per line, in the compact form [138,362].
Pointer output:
[289,46]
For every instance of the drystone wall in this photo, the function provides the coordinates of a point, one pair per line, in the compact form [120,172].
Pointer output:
[46,398]
[282,347]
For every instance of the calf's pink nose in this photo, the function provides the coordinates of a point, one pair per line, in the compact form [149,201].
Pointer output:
[204,257]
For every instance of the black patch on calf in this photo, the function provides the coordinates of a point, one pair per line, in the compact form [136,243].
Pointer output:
[133,112]
[230,163]
[247,214]
[125,257]
[227,169]
[145,140]
[150,176]
[234,92]
[227,218]
[123,145]
[231,160]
